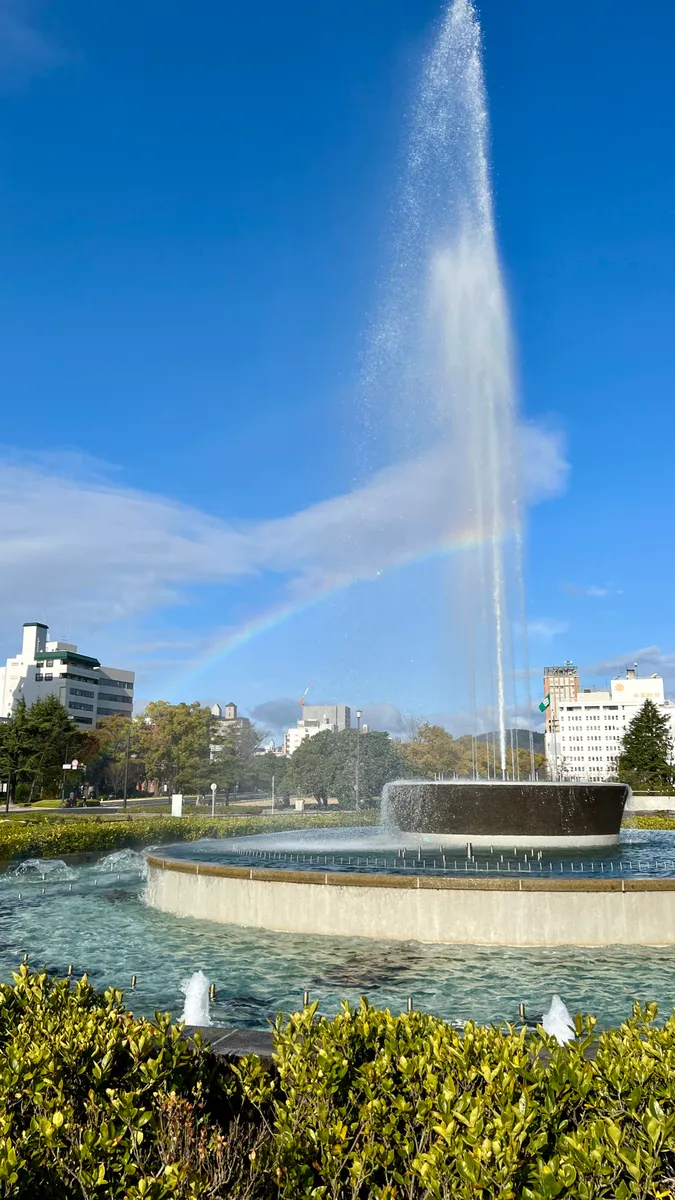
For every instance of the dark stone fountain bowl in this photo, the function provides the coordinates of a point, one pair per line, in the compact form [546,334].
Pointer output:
[516,814]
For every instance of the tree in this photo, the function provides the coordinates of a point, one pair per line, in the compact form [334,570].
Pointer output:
[117,743]
[646,758]
[35,743]
[175,744]
[325,765]
[270,766]
[433,751]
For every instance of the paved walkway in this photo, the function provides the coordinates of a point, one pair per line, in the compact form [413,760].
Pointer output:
[234,1043]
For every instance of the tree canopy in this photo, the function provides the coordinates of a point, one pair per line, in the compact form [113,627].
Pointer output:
[325,765]
[432,751]
[646,758]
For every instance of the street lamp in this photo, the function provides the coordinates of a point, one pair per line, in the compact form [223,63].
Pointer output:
[126,764]
[358,757]
[214,789]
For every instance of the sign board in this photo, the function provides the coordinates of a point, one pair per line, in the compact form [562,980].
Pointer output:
[177,804]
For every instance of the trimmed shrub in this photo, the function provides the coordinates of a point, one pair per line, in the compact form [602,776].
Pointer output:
[366,1106]
[46,837]
[652,822]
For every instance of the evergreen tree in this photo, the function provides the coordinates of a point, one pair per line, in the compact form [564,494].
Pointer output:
[34,744]
[646,759]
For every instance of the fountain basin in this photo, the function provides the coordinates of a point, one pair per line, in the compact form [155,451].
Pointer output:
[520,910]
[509,813]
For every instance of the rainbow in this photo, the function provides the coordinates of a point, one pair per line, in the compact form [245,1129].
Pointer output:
[271,618]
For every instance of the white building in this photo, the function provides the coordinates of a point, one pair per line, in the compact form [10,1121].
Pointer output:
[229,726]
[318,718]
[86,690]
[584,737]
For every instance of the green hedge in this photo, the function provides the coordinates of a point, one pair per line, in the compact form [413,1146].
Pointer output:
[654,822]
[367,1106]
[47,838]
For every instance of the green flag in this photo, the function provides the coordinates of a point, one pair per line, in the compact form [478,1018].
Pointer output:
[546,703]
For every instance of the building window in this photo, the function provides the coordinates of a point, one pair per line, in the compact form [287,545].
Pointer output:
[48,676]
[80,706]
[83,720]
[82,692]
[115,699]
[39,676]
[110,712]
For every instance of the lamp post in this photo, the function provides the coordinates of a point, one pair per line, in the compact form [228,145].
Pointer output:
[214,789]
[126,764]
[358,757]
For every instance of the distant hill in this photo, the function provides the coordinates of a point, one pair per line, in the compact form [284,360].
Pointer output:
[521,739]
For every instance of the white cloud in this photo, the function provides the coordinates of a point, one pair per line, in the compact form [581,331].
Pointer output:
[597,591]
[85,549]
[546,628]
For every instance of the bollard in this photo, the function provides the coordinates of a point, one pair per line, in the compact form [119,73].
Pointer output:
[521,1011]
[305,999]
[133,982]
[212,993]
[469,850]
[70,970]
[410,1004]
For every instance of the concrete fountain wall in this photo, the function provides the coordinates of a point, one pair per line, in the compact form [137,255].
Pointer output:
[504,912]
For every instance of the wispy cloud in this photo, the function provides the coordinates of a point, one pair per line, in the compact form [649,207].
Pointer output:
[25,51]
[651,660]
[595,591]
[83,546]
[546,628]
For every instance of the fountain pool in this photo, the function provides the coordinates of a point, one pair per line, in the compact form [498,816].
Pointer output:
[95,917]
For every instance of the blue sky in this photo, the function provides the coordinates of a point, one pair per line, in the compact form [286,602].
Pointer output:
[193,218]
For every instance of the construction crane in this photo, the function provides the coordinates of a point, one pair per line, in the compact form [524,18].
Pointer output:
[302,698]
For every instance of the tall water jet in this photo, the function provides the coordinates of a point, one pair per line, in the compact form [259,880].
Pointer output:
[441,361]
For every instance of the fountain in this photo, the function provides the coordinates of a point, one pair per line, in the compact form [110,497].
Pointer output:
[440,363]
[507,813]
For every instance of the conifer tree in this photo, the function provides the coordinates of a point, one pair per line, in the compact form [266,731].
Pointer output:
[646,758]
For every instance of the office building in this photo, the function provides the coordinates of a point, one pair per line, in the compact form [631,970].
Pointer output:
[585,732]
[87,690]
[318,718]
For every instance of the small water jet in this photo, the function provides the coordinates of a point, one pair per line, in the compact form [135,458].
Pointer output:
[196,1006]
[558,1023]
